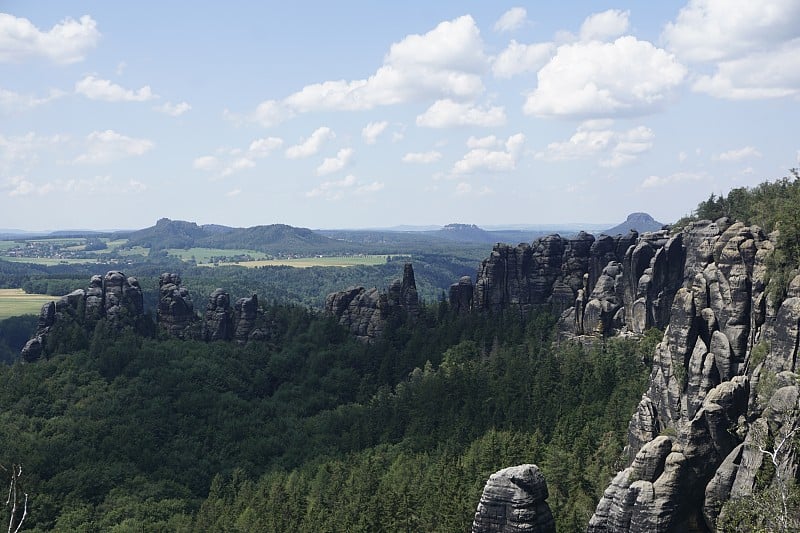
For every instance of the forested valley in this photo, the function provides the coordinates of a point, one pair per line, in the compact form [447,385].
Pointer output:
[313,431]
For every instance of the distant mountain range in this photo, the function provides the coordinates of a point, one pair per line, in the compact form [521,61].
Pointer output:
[282,239]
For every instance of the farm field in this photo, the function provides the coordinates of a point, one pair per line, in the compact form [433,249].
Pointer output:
[307,262]
[15,302]
[48,261]
[205,255]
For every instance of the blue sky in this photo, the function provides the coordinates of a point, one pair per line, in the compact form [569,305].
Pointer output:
[374,114]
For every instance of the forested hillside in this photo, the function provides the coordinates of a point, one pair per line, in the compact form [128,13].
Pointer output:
[313,431]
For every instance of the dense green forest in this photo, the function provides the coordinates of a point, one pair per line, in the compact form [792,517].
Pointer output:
[313,431]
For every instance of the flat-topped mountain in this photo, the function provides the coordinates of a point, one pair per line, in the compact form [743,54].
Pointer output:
[640,222]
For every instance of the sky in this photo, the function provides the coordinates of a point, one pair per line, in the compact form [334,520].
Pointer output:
[359,114]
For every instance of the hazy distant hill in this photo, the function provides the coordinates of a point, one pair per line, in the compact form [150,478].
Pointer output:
[641,222]
[274,238]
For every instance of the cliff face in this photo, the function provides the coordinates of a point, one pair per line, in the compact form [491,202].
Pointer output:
[598,286]
[724,378]
[723,383]
[365,311]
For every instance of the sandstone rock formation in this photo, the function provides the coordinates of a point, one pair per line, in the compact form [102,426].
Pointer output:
[461,293]
[114,297]
[598,286]
[245,319]
[514,500]
[175,310]
[118,300]
[694,438]
[218,319]
[365,311]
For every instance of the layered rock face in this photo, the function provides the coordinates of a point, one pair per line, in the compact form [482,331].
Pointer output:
[598,286]
[118,300]
[113,297]
[175,310]
[694,438]
[218,318]
[513,501]
[365,311]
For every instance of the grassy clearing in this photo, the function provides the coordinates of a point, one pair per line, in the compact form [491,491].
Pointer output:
[204,255]
[306,262]
[7,245]
[15,302]
[46,261]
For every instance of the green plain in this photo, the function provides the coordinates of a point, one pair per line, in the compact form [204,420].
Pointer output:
[15,302]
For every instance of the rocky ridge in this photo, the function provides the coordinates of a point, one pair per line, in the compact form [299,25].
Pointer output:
[118,300]
[724,379]
[365,312]
[113,297]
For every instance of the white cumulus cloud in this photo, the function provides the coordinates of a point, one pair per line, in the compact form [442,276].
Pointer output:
[518,58]
[98,89]
[333,190]
[12,102]
[511,20]
[606,25]
[238,164]
[447,61]
[599,79]
[752,47]
[711,30]
[484,159]
[653,181]
[373,130]
[596,139]
[311,145]
[107,146]
[746,152]
[264,147]
[105,185]
[335,164]
[173,110]
[66,42]
[448,113]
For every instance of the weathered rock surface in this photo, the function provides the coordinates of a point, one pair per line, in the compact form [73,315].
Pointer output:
[245,319]
[365,311]
[113,297]
[514,501]
[218,318]
[703,389]
[598,286]
[118,300]
[175,310]
[461,293]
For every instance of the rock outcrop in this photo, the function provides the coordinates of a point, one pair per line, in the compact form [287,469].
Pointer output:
[113,297]
[245,319]
[218,318]
[118,300]
[513,501]
[175,310]
[461,293]
[365,312]
[694,438]
[598,286]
